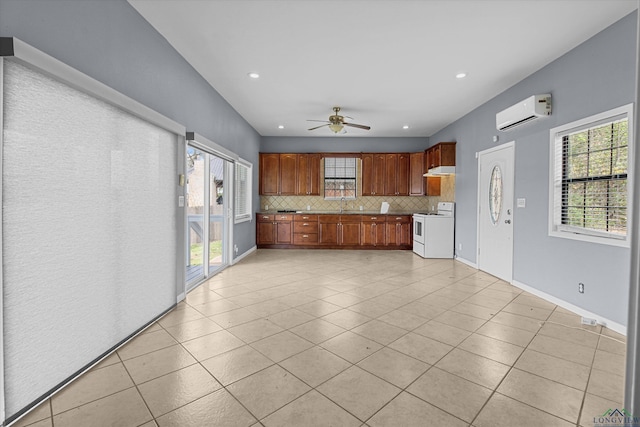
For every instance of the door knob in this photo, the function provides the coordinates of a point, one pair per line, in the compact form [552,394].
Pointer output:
[507,221]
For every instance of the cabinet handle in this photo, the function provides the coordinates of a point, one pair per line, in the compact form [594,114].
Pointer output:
[283,217]
[265,217]
[374,217]
[305,224]
[305,236]
[398,217]
[305,217]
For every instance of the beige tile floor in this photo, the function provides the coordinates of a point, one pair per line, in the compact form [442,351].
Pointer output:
[351,338]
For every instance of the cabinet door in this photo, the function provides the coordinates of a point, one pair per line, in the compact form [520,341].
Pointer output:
[328,233]
[367,174]
[433,156]
[350,234]
[405,236]
[432,186]
[269,174]
[416,172]
[367,237]
[265,234]
[402,176]
[390,174]
[302,180]
[284,233]
[314,174]
[288,175]
[378,174]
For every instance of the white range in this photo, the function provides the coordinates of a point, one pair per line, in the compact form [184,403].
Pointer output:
[433,233]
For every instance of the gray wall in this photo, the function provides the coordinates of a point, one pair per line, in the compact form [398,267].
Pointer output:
[111,42]
[342,144]
[594,77]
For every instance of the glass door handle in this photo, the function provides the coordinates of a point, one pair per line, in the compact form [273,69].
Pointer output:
[507,221]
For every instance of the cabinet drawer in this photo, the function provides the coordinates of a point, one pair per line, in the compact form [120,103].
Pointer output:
[305,227]
[305,238]
[305,218]
[283,217]
[399,218]
[329,219]
[265,218]
[351,219]
[373,218]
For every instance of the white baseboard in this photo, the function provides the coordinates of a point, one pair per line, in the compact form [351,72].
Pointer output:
[241,256]
[181,297]
[467,262]
[614,326]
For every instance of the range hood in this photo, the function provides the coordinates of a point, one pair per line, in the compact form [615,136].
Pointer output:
[441,170]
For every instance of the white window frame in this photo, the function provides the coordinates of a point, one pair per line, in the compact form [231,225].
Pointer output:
[246,215]
[556,228]
[355,179]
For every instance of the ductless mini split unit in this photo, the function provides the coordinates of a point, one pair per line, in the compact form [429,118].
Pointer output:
[532,108]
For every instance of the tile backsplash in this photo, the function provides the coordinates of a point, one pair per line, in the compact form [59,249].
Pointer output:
[368,203]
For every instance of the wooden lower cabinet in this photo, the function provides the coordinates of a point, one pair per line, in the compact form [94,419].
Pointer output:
[305,229]
[274,230]
[373,230]
[339,230]
[333,231]
[398,231]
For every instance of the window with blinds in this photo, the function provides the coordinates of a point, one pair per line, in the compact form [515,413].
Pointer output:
[340,178]
[242,192]
[590,175]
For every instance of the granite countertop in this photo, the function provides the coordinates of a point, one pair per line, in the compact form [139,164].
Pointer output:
[358,212]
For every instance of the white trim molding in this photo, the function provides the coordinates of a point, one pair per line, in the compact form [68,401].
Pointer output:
[243,255]
[614,326]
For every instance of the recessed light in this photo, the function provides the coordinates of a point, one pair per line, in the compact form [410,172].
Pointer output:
[405,127]
[280,126]
[461,75]
[254,75]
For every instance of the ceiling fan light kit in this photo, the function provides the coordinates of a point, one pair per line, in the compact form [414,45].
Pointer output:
[336,123]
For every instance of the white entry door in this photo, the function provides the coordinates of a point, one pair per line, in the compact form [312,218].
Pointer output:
[495,211]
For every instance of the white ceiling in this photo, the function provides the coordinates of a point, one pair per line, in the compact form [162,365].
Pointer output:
[387,63]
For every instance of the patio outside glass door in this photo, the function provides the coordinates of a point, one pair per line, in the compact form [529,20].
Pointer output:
[206,225]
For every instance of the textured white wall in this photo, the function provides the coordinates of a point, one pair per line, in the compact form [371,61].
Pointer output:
[89,229]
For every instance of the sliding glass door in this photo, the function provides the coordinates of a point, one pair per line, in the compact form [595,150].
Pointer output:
[207,228]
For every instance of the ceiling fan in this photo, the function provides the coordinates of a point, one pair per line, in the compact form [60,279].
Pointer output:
[336,122]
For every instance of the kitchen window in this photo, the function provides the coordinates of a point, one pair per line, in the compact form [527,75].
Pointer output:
[590,190]
[339,178]
[242,191]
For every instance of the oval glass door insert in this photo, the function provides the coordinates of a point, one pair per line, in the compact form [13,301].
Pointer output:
[495,194]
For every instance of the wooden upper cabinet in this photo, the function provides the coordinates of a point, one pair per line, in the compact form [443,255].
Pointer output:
[288,174]
[373,174]
[396,174]
[269,174]
[402,176]
[278,174]
[367,174]
[308,170]
[441,154]
[416,172]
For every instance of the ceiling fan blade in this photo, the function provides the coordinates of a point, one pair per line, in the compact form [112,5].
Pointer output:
[321,121]
[317,127]
[353,125]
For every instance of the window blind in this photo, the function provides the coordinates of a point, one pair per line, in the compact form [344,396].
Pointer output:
[242,192]
[590,177]
[339,177]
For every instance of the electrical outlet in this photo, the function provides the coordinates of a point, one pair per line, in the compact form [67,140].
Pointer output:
[235,249]
[581,288]
[459,246]
[589,321]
